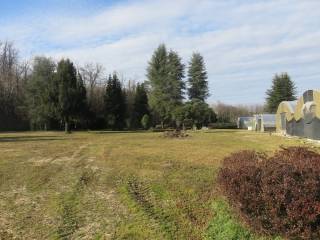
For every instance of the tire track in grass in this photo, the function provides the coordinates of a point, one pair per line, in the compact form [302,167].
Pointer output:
[181,207]
[69,203]
[140,192]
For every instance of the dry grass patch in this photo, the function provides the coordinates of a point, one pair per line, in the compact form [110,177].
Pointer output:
[77,186]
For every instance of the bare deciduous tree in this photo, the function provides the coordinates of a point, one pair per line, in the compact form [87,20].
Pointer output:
[230,113]
[13,77]
[94,79]
[92,74]
[8,70]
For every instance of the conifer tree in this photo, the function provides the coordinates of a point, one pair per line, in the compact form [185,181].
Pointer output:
[165,77]
[175,78]
[282,89]
[140,104]
[157,80]
[130,92]
[81,104]
[115,107]
[197,78]
[67,86]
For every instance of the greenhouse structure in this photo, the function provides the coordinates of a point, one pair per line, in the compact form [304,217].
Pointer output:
[244,123]
[300,118]
[264,122]
[285,115]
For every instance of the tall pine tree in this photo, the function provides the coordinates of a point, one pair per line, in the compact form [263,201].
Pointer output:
[197,78]
[68,97]
[115,103]
[282,89]
[157,78]
[165,73]
[176,85]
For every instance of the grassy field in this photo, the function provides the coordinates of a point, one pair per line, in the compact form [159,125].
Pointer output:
[119,185]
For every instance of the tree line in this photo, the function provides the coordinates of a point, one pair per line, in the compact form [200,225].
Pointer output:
[45,94]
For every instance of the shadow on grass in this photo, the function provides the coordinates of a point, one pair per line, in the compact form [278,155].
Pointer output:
[30,138]
[222,131]
[113,132]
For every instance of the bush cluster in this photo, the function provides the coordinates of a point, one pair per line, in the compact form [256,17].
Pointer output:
[175,134]
[277,195]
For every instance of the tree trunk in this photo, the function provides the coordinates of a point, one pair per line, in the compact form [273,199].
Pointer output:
[66,127]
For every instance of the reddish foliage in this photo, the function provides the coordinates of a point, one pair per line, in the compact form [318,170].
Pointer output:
[278,194]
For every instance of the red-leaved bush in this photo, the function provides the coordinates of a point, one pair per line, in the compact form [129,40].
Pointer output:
[277,195]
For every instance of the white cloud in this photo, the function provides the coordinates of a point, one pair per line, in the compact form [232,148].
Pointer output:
[244,42]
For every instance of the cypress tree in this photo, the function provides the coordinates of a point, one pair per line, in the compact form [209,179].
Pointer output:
[282,89]
[115,103]
[197,78]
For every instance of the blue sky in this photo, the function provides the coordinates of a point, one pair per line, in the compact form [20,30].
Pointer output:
[244,42]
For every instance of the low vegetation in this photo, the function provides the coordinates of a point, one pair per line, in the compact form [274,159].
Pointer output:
[278,194]
[175,134]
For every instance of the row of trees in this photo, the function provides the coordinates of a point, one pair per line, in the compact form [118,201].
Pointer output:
[58,94]
[54,95]
[168,89]
[227,113]
[50,95]
[166,75]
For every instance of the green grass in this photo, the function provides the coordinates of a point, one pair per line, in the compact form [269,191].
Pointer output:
[120,185]
[224,225]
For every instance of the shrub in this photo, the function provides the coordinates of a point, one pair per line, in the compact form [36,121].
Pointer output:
[278,194]
[145,121]
[175,134]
